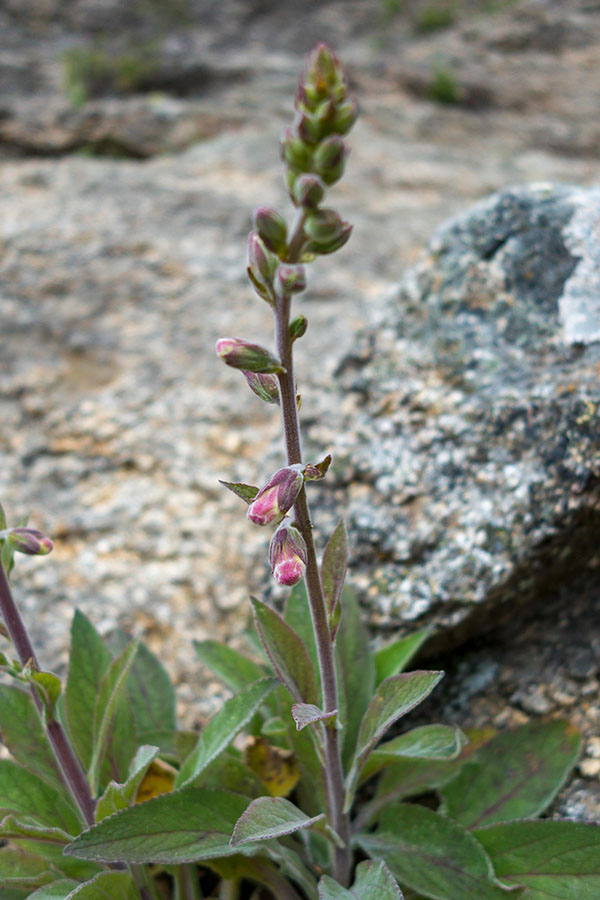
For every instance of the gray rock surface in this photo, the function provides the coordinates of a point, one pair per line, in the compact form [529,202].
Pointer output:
[480,416]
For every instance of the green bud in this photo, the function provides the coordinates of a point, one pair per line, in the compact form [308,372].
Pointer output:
[345,117]
[271,228]
[327,231]
[330,158]
[308,191]
[295,152]
[307,129]
[249,357]
[298,327]
[290,280]
[264,386]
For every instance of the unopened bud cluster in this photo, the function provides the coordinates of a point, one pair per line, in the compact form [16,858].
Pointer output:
[314,153]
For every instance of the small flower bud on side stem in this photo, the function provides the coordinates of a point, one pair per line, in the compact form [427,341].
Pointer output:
[249,357]
[287,555]
[277,496]
[27,540]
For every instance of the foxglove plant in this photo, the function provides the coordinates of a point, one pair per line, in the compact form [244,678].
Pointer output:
[104,797]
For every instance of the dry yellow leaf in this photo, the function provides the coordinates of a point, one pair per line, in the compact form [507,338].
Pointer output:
[159,779]
[277,768]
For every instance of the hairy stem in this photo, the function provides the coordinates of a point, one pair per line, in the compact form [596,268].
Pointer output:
[334,778]
[69,765]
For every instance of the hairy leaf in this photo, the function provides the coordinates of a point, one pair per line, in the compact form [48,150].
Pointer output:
[270,817]
[58,890]
[287,653]
[307,714]
[24,794]
[247,492]
[89,659]
[514,776]
[373,881]
[106,886]
[356,671]
[426,742]
[24,736]
[186,826]
[394,658]
[333,572]
[223,728]
[120,796]
[19,869]
[554,860]
[111,695]
[13,827]
[151,696]
[297,616]
[432,855]
[235,670]
[393,698]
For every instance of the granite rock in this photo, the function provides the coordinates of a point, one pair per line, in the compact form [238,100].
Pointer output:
[479,407]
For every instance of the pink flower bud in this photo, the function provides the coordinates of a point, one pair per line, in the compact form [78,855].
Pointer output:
[264,386]
[287,555]
[27,540]
[249,357]
[260,260]
[277,496]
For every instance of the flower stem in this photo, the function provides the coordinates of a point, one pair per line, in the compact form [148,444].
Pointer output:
[69,765]
[334,778]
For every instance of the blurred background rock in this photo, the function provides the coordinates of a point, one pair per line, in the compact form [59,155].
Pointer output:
[135,140]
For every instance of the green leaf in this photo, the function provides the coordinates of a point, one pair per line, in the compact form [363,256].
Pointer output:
[234,669]
[58,890]
[21,870]
[333,572]
[307,714]
[287,653]
[12,827]
[394,658]
[119,796]
[427,742]
[393,698]
[24,794]
[88,662]
[297,616]
[514,776]
[186,826]
[48,687]
[432,855]
[223,728]
[247,492]
[356,672]
[270,817]
[24,736]
[61,866]
[106,886]
[151,696]
[110,696]
[554,860]
[373,881]
[230,773]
